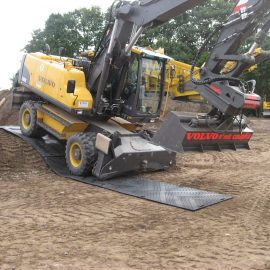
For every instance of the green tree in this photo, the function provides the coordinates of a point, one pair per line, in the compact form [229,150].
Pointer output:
[75,31]
[182,36]
[37,43]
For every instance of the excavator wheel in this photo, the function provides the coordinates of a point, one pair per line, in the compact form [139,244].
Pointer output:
[28,120]
[81,153]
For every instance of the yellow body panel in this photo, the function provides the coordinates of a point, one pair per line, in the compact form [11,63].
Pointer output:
[230,65]
[266,109]
[136,50]
[266,105]
[49,76]
[181,76]
[63,124]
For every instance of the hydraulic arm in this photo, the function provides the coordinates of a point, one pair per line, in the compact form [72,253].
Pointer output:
[224,126]
[228,94]
[109,67]
[246,19]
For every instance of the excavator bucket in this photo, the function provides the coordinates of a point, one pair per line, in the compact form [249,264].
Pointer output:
[177,134]
[132,153]
[123,152]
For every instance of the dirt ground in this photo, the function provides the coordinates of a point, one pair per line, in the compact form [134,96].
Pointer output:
[48,222]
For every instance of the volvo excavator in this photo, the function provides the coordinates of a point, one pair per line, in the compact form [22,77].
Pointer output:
[90,104]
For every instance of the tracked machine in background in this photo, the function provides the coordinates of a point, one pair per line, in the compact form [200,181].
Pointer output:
[89,104]
[266,109]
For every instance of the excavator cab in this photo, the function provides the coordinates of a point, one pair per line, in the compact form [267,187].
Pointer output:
[144,86]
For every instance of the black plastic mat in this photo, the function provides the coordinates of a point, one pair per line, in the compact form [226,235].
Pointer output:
[182,197]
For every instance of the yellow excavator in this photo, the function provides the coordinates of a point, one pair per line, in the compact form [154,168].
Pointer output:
[266,108]
[177,77]
[178,81]
[89,103]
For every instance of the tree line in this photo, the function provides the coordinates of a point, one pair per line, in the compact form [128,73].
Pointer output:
[181,37]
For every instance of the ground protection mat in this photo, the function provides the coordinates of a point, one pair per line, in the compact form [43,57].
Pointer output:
[53,153]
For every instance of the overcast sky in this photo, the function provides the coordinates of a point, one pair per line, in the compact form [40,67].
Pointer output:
[18,19]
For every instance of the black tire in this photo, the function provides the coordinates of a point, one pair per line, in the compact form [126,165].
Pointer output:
[81,154]
[28,120]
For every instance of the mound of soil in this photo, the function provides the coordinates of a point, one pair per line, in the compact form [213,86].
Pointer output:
[48,222]
[8,116]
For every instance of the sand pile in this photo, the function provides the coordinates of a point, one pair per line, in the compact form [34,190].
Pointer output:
[7,115]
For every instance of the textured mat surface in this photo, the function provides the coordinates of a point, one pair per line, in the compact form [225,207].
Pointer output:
[53,153]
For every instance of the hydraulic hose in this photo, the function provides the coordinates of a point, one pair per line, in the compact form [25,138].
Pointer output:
[106,29]
[198,55]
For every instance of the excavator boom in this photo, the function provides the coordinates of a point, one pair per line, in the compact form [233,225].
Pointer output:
[130,21]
